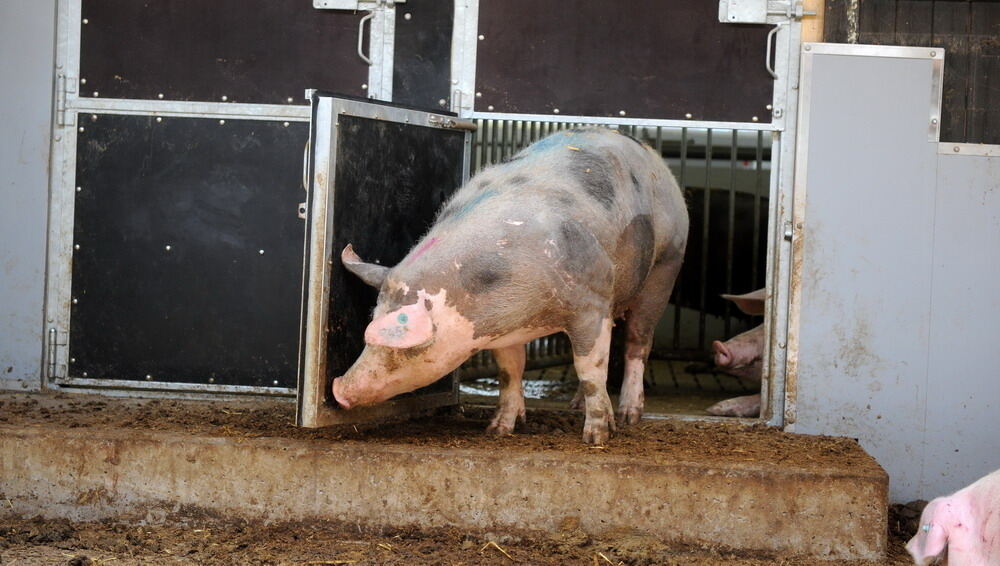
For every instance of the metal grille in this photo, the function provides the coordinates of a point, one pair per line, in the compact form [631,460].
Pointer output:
[725,177]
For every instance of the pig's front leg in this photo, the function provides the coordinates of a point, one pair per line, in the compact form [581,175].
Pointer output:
[510,408]
[746,406]
[590,356]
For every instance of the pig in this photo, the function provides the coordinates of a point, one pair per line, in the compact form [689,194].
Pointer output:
[963,528]
[576,230]
[741,356]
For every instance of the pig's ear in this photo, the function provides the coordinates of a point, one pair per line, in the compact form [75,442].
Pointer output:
[750,303]
[928,545]
[405,327]
[371,273]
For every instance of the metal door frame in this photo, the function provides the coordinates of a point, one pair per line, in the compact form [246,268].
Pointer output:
[786,37]
[312,410]
[68,103]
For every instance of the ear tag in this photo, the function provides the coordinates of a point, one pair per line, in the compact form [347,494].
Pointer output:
[406,327]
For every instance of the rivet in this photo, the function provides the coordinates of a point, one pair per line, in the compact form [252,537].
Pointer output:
[285,124]
[261,252]
[290,99]
[479,95]
[956,149]
[777,113]
[933,120]
[86,21]
[482,37]
[754,119]
[81,128]
[76,246]
[149,377]
[78,189]
[93,117]
[160,96]
[442,102]
[768,107]
[687,115]
[75,301]
[555,110]
[225,98]
[167,247]
[96,94]
[84,374]
[364,86]
[933,53]
[159,119]
[407,16]
[490,108]
[222,122]
[808,47]
[83,81]
[211,380]
[275,381]
[72,360]
[621,112]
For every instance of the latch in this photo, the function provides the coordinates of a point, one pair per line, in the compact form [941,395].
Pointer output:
[65,86]
[758,11]
[451,123]
[354,5]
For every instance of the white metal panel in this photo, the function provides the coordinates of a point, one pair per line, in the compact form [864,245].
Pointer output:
[27,39]
[961,429]
[864,216]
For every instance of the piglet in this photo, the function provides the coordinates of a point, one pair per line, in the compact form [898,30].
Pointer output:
[742,356]
[963,529]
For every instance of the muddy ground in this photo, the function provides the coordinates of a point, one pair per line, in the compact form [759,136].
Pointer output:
[215,540]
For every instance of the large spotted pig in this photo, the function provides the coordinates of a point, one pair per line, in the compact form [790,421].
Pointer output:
[742,356]
[962,529]
[578,229]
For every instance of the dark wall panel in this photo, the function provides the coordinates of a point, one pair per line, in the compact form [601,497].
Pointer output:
[650,58]
[262,51]
[390,180]
[422,60]
[213,308]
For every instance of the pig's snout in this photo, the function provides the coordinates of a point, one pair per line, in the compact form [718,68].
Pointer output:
[338,393]
[723,357]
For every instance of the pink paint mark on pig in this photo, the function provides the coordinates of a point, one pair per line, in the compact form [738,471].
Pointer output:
[430,243]
[405,327]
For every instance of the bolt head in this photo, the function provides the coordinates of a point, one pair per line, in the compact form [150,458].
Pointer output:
[285,124]
[261,252]
[555,110]
[956,149]
[86,21]
[754,119]
[225,98]
[290,99]
[933,53]
[407,16]
[276,382]
[222,122]
[159,119]
[149,377]
[83,81]
[934,120]
[490,108]
[78,189]
[75,301]
[768,107]
[81,128]
[621,112]
[167,247]
[482,37]
[688,115]
[76,246]
[96,94]
[808,47]
[364,86]
[160,96]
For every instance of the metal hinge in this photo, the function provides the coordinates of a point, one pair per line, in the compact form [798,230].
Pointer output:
[353,4]
[52,346]
[760,11]
[65,86]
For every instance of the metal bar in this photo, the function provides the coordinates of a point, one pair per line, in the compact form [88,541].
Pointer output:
[620,121]
[731,231]
[169,386]
[678,285]
[188,109]
[758,179]
[706,211]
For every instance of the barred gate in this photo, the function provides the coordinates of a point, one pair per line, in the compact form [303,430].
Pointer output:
[724,174]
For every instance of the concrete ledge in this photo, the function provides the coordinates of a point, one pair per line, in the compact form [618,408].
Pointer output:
[87,474]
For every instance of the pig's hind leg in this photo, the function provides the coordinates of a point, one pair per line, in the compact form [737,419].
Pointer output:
[640,322]
[591,345]
[510,408]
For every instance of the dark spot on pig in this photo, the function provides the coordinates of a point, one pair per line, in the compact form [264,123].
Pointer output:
[579,247]
[589,388]
[484,272]
[635,180]
[575,131]
[428,304]
[484,183]
[593,174]
[397,298]
[566,200]
[634,252]
[633,138]
[517,180]
[503,377]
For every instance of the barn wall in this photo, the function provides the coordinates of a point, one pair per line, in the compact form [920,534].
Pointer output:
[27,48]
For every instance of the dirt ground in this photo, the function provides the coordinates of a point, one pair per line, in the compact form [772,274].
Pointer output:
[216,540]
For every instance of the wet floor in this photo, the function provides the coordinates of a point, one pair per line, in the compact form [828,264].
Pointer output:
[672,388]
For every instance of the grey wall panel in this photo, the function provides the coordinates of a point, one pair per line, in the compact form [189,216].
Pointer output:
[27,40]
[961,437]
[865,313]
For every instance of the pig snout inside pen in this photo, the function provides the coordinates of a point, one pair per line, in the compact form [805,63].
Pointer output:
[578,229]
[742,356]
[962,529]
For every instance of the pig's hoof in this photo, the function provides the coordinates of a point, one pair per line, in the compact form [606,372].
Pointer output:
[503,423]
[629,415]
[500,429]
[746,406]
[596,434]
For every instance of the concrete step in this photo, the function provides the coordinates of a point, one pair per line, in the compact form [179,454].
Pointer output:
[719,485]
